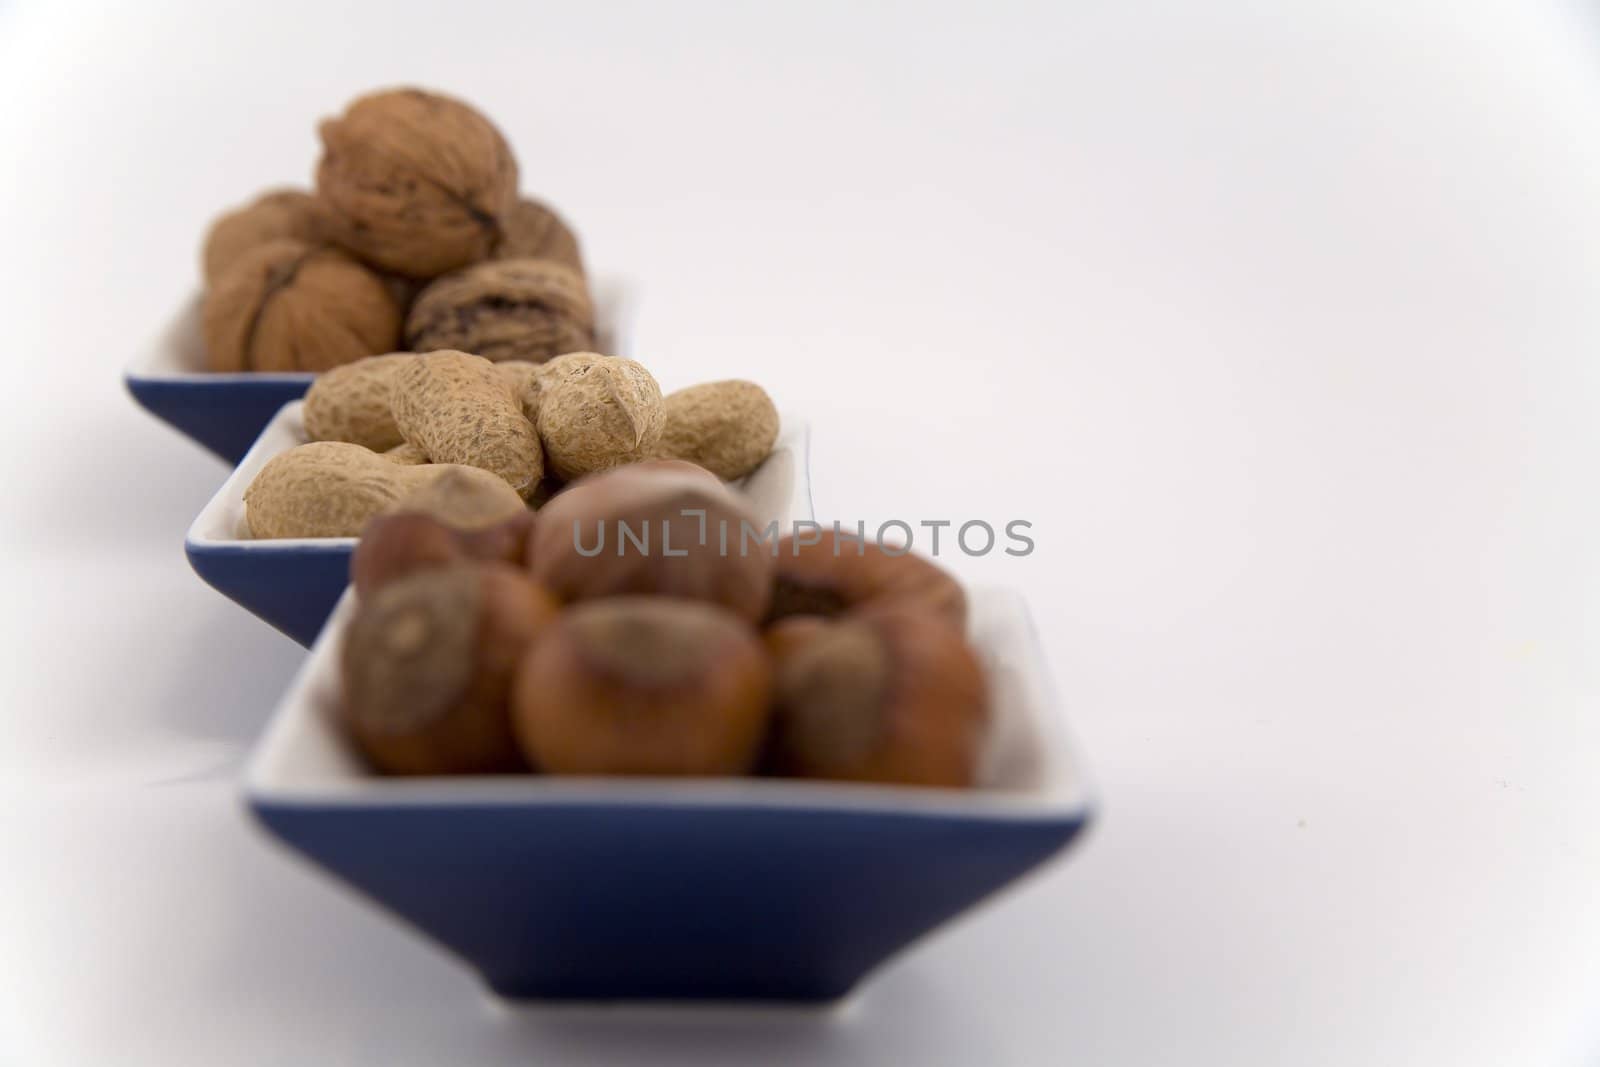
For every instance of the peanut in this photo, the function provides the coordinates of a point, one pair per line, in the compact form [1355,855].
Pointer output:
[458,409]
[351,403]
[726,427]
[331,488]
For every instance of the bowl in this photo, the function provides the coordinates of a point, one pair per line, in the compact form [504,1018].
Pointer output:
[654,889]
[293,583]
[227,412]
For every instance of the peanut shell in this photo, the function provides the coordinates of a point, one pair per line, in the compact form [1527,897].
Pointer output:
[597,414]
[726,427]
[458,409]
[351,403]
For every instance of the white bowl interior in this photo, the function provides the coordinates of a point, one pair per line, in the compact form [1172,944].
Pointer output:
[178,352]
[778,491]
[1029,764]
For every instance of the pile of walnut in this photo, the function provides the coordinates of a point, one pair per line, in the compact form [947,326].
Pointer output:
[510,648]
[474,442]
[415,237]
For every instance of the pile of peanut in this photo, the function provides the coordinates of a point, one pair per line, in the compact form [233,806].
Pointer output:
[474,442]
[556,643]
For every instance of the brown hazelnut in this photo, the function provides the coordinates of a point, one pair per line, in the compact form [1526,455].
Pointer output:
[399,543]
[415,182]
[784,637]
[643,685]
[726,427]
[531,230]
[428,664]
[524,309]
[289,306]
[836,574]
[468,498]
[889,696]
[660,528]
[273,215]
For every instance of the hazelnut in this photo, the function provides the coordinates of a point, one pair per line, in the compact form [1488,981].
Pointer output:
[289,306]
[273,215]
[399,543]
[531,230]
[785,636]
[838,574]
[469,498]
[660,528]
[428,663]
[415,182]
[527,309]
[726,427]
[643,685]
[595,414]
[890,696]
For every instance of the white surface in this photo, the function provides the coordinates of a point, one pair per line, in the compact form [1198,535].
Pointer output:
[1278,321]
[1029,766]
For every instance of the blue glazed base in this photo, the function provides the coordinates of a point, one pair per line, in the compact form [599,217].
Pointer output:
[294,588]
[574,889]
[636,902]
[226,413]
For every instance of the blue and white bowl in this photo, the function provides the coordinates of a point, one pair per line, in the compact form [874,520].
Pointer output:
[223,412]
[612,889]
[227,412]
[293,583]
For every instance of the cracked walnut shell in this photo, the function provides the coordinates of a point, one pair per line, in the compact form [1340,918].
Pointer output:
[523,309]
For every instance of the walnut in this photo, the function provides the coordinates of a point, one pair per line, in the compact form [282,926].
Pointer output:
[290,306]
[416,183]
[278,213]
[525,309]
[531,230]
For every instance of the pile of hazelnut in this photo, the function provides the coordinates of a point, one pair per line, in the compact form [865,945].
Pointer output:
[554,643]
[414,238]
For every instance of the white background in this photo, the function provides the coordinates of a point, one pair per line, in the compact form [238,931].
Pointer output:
[1280,322]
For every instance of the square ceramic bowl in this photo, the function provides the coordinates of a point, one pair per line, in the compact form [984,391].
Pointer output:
[293,583]
[227,412]
[604,889]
